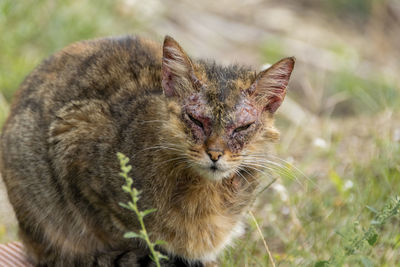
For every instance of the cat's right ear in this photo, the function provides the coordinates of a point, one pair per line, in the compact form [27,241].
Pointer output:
[177,69]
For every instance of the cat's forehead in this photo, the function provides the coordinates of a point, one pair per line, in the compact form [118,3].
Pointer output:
[223,86]
[221,97]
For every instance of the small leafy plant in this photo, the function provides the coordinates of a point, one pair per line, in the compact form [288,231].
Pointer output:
[156,256]
[359,240]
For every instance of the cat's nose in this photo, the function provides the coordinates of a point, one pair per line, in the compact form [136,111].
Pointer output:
[214,155]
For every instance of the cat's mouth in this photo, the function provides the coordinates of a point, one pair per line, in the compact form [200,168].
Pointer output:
[214,172]
[214,168]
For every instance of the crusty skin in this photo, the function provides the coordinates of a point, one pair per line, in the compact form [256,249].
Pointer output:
[84,104]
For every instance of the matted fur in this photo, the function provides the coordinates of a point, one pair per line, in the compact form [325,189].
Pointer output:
[190,128]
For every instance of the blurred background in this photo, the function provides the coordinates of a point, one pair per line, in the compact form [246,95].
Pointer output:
[339,153]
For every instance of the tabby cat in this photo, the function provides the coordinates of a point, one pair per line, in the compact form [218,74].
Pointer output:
[196,134]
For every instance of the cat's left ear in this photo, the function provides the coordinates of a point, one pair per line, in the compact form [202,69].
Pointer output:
[269,88]
[177,69]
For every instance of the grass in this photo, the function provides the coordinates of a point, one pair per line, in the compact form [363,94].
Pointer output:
[32,30]
[331,214]
[346,184]
[348,147]
[358,241]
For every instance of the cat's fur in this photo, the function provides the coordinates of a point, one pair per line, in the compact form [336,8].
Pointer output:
[172,116]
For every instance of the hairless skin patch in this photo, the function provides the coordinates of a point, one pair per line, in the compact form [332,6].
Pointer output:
[245,122]
[242,124]
[196,114]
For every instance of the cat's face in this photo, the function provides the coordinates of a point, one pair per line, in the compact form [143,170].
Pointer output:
[225,112]
[219,141]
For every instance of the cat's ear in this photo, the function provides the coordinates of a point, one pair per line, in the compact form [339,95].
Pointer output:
[269,88]
[177,69]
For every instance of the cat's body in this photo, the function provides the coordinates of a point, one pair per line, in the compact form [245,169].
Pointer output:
[177,121]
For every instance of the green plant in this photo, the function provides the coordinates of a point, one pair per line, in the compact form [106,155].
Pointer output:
[358,240]
[156,256]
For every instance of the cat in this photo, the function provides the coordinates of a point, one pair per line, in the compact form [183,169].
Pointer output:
[196,133]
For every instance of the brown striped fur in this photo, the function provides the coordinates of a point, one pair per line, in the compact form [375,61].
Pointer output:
[171,115]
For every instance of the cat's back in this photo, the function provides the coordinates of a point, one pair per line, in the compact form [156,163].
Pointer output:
[83,75]
[95,69]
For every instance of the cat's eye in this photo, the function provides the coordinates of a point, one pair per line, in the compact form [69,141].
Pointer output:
[243,128]
[197,122]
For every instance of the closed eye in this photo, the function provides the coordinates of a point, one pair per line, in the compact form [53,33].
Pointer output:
[195,121]
[243,128]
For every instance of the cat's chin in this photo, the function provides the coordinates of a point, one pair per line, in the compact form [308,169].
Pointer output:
[215,174]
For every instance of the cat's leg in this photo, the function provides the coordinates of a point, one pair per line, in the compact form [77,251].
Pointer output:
[171,262]
[42,255]
[131,258]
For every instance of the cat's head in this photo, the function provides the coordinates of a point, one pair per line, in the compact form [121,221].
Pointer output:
[226,113]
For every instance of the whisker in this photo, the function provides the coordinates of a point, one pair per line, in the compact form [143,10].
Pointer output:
[255,169]
[151,121]
[280,169]
[290,167]
[264,160]
[178,159]
[162,147]
[243,169]
[170,144]
[241,175]
[267,186]
[295,168]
